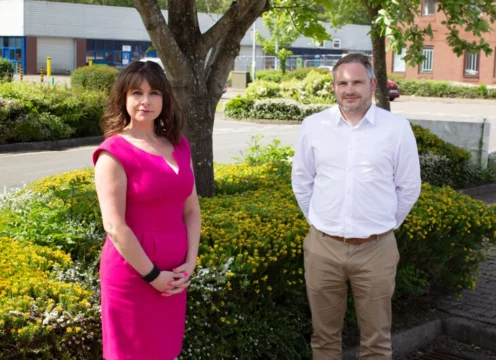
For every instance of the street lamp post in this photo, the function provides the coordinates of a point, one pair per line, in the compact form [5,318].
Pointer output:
[254,50]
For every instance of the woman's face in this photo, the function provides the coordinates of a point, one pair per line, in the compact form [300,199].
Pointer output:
[144,104]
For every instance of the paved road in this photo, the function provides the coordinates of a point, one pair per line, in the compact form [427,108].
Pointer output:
[231,137]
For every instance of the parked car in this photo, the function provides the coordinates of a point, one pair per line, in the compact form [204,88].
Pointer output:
[326,67]
[154,59]
[394,90]
[158,61]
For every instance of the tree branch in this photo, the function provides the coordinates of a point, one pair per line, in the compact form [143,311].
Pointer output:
[311,3]
[236,12]
[183,22]
[163,40]
[226,51]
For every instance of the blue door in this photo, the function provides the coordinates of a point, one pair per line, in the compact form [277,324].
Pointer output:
[13,49]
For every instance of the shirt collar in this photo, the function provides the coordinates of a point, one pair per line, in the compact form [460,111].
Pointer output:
[369,115]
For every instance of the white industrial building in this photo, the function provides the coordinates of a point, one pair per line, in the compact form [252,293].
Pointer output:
[71,34]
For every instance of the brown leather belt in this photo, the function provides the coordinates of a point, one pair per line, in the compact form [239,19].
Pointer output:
[356,241]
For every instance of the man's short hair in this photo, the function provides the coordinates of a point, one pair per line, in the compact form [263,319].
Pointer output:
[355,59]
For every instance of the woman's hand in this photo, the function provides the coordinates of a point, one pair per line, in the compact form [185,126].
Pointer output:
[181,276]
[164,282]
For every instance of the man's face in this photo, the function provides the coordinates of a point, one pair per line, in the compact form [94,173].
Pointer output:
[353,88]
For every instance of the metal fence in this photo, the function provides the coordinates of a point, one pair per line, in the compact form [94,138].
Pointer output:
[244,63]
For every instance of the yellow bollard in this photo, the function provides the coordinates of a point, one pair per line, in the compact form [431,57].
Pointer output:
[41,74]
[49,66]
[21,75]
[90,62]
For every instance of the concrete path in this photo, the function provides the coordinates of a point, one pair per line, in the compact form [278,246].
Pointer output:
[478,304]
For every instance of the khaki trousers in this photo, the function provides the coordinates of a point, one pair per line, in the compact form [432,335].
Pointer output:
[371,270]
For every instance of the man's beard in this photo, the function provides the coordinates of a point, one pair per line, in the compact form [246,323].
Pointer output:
[362,105]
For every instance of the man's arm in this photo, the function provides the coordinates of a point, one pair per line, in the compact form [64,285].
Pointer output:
[407,174]
[303,172]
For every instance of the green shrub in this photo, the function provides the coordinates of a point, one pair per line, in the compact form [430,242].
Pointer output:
[436,169]
[247,297]
[317,85]
[444,89]
[276,109]
[315,88]
[270,75]
[61,212]
[47,310]
[262,89]
[99,78]
[6,70]
[258,153]
[17,124]
[270,109]
[239,108]
[80,111]
[302,73]
[428,143]
[442,240]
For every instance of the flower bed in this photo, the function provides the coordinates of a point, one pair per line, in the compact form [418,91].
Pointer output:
[247,298]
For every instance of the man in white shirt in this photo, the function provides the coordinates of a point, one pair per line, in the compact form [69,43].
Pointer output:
[356,175]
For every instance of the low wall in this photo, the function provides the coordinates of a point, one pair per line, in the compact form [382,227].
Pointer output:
[473,136]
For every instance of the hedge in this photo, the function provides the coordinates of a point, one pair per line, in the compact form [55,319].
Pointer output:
[444,89]
[34,112]
[299,74]
[99,78]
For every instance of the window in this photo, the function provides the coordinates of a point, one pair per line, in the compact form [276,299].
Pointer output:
[110,51]
[399,61]
[471,65]
[426,66]
[13,49]
[336,43]
[428,7]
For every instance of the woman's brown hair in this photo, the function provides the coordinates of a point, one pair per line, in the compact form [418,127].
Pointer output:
[169,123]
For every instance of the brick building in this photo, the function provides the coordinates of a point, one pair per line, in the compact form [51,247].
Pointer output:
[440,62]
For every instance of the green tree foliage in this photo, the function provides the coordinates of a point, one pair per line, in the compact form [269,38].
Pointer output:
[282,35]
[395,21]
[342,13]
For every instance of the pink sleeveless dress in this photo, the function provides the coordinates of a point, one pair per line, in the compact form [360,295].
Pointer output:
[137,322]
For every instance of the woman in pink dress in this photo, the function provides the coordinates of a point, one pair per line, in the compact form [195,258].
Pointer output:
[150,211]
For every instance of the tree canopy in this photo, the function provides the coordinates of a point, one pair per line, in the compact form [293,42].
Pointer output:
[397,22]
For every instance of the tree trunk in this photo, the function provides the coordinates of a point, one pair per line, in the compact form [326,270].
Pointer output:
[379,58]
[197,65]
[199,109]
[380,70]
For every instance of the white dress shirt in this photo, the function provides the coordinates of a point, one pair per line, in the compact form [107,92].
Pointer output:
[356,181]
